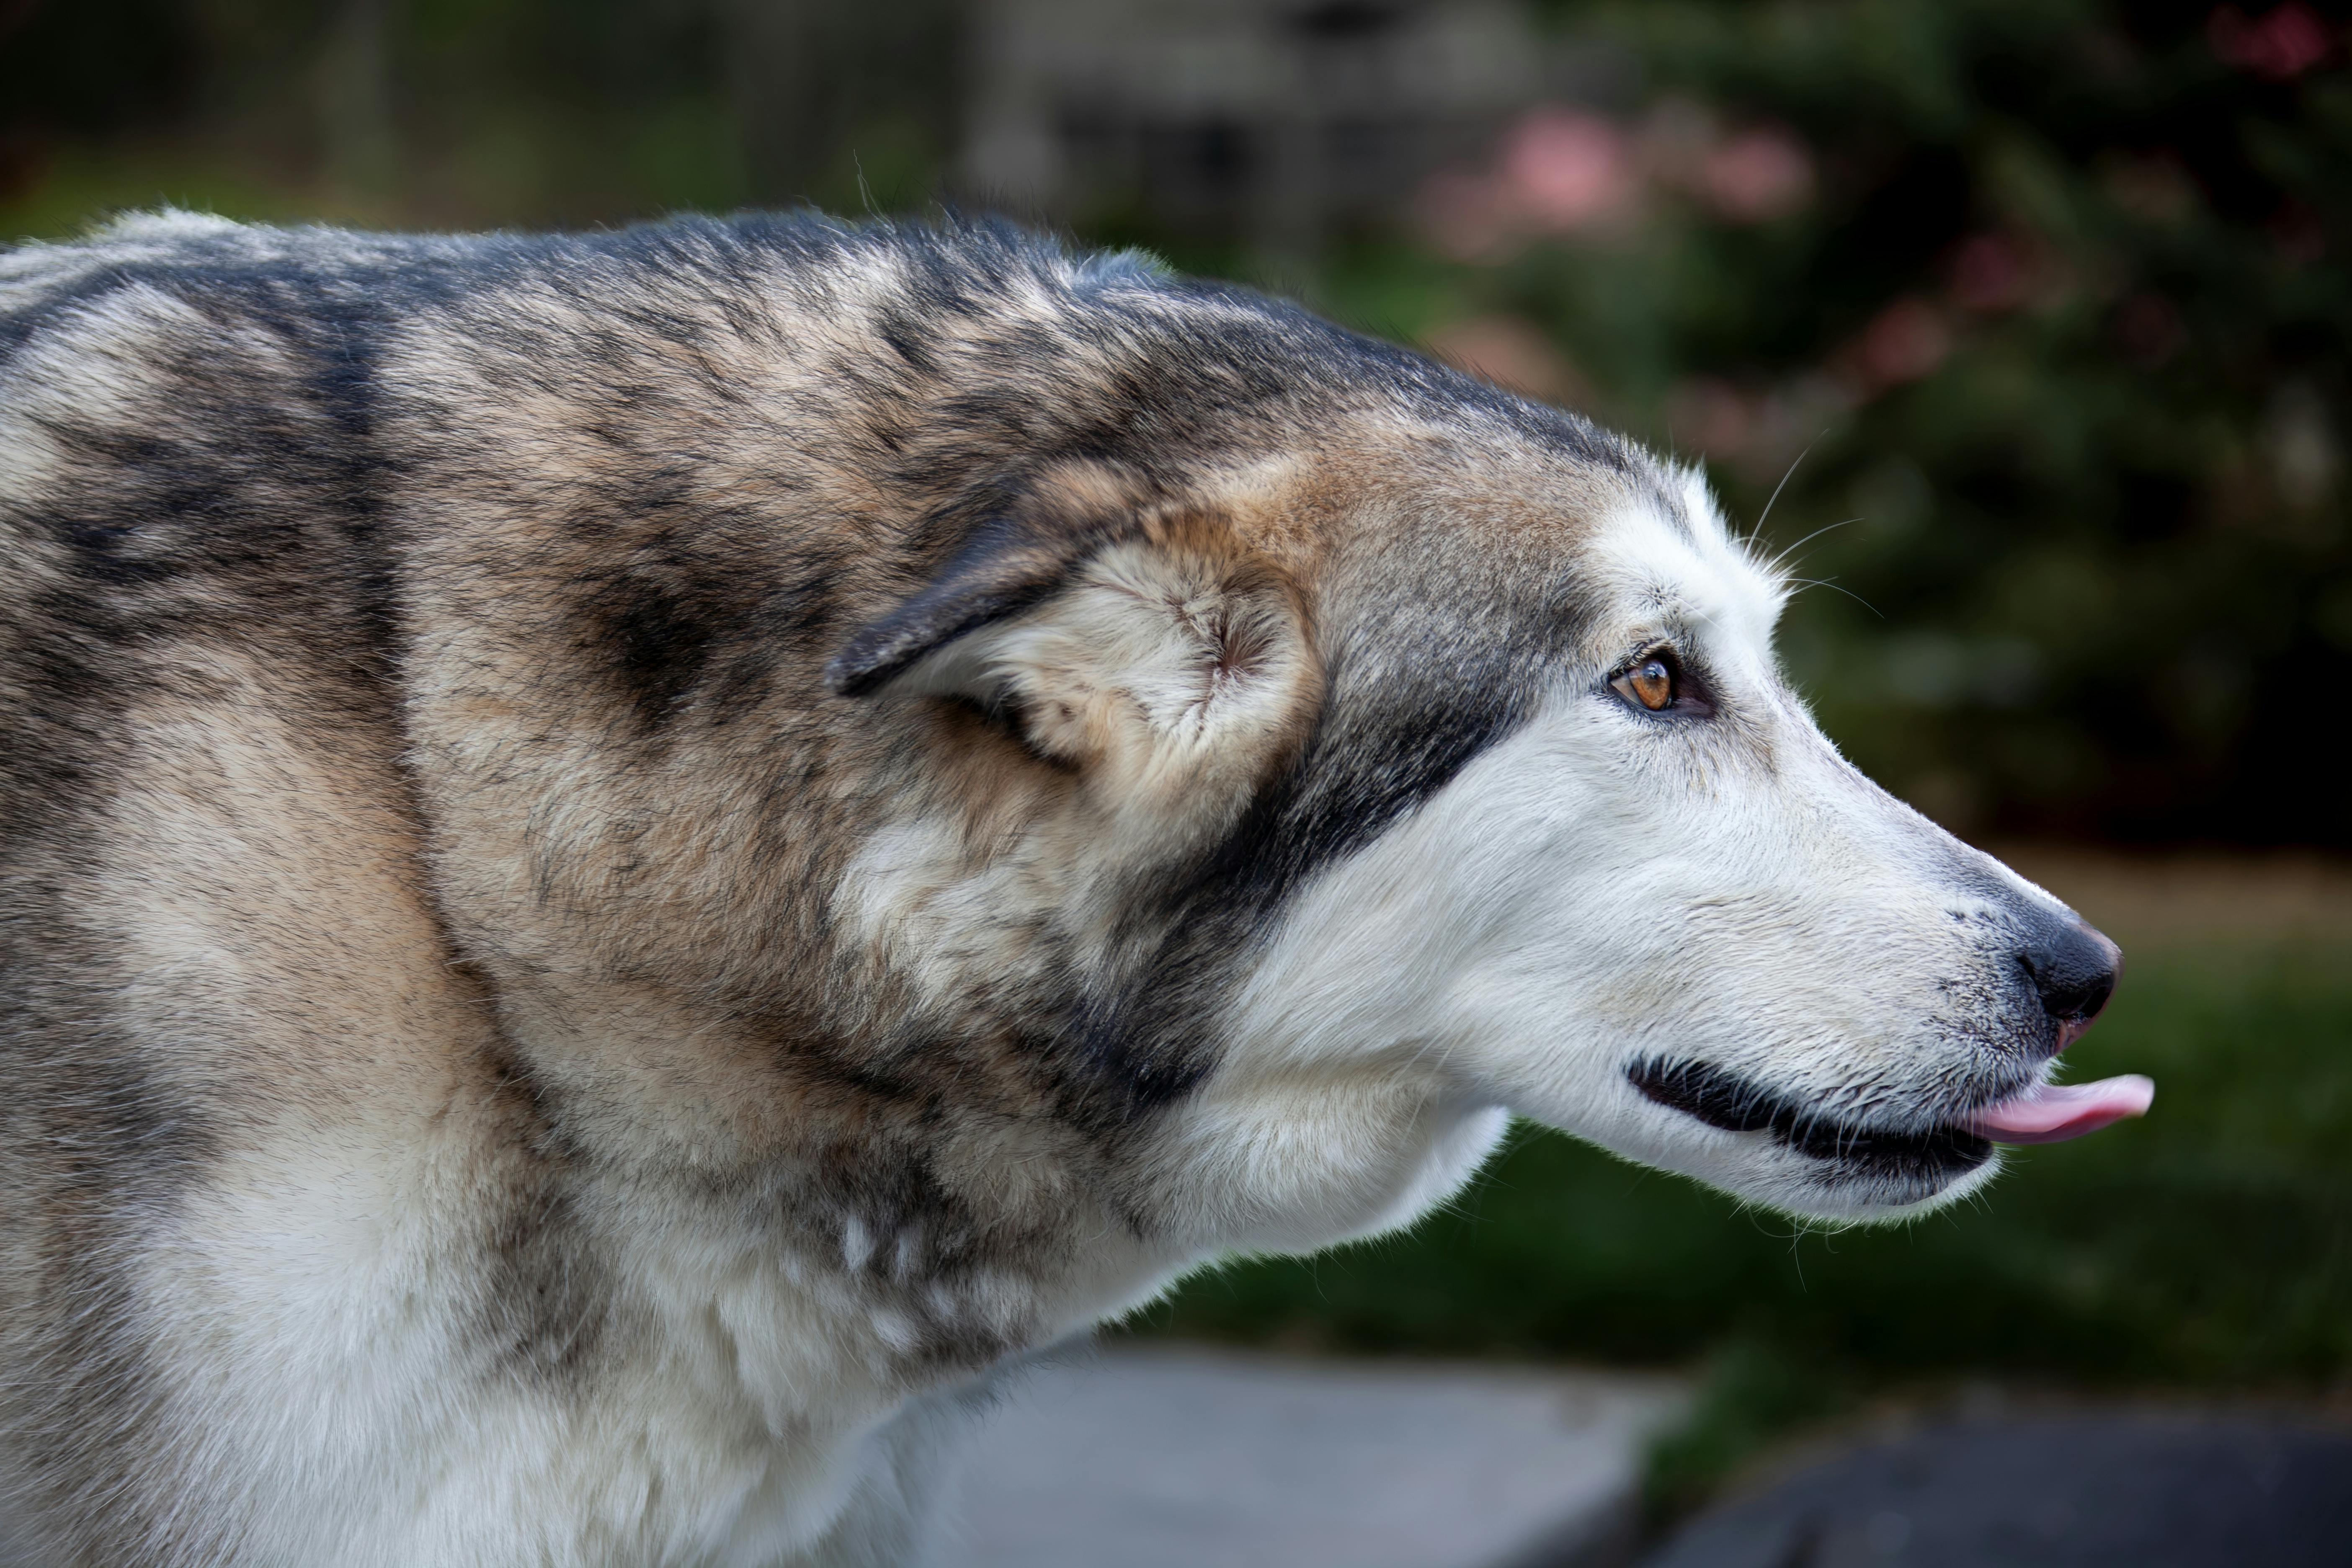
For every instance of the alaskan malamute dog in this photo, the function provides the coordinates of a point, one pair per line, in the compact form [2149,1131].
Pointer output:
[631,857]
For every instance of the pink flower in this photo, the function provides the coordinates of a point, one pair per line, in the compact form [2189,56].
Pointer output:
[1564,170]
[2283,43]
[1902,343]
[1992,272]
[1757,175]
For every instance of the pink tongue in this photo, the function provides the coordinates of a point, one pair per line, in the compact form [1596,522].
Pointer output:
[2054,1111]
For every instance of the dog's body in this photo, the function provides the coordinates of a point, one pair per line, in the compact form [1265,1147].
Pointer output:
[630,858]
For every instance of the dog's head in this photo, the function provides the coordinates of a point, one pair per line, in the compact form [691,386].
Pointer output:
[1425,752]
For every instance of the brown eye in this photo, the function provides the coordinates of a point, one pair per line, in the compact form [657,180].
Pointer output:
[1649,683]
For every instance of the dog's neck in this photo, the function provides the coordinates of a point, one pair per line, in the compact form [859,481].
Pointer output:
[769,1293]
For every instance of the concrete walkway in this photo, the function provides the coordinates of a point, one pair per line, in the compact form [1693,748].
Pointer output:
[1190,1458]
[2116,1489]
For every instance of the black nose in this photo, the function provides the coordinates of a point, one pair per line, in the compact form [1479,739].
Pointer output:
[2073,969]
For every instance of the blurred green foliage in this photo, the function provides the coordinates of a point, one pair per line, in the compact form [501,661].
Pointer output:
[2100,563]
[2049,295]
[470,113]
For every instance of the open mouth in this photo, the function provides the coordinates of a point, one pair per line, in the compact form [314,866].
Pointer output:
[2043,1113]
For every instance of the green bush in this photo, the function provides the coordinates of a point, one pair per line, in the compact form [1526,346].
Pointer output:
[2054,307]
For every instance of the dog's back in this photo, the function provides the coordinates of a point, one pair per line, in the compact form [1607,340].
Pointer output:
[230,1013]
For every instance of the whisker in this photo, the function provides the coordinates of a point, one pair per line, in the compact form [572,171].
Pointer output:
[1766,515]
[1831,583]
[1816,533]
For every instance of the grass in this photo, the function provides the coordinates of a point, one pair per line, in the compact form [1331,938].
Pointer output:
[2206,1248]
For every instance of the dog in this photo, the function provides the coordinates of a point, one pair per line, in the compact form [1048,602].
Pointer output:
[633,857]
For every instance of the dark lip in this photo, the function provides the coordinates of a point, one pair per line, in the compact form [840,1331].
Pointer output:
[1725,1099]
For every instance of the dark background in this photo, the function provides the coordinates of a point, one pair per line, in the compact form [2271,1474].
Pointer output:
[2050,293]
[2032,311]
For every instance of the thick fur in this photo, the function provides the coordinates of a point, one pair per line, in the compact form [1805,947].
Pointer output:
[632,858]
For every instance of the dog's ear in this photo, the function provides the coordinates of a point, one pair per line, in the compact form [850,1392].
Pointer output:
[1171,663]
[1017,555]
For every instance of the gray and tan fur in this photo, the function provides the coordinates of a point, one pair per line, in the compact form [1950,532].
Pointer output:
[628,858]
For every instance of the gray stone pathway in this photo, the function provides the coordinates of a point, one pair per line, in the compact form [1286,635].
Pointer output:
[1152,1458]
[2083,1490]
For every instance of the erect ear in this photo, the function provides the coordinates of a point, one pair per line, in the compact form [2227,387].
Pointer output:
[1170,662]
